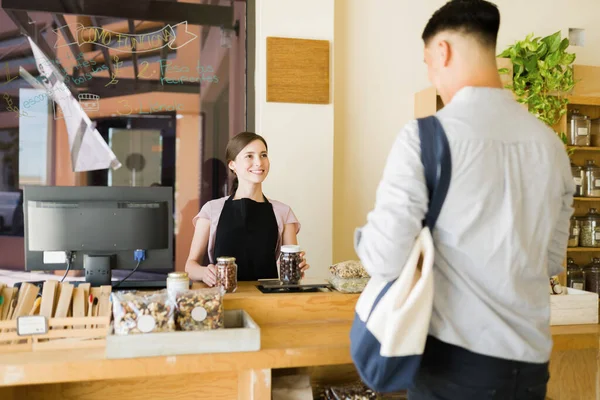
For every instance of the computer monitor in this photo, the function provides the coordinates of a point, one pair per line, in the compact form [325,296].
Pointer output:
[100,227]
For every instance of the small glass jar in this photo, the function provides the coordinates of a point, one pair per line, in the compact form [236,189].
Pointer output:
[589,234]
[574,229]
[591,274]
[577,172]
[579,127]
[289,265]
[575,277]
[177,281]
[591,179]
[227,273]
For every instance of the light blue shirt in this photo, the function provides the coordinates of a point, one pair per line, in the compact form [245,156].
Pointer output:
[502,231]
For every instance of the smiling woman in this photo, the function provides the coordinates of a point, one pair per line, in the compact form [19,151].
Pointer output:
[245,225]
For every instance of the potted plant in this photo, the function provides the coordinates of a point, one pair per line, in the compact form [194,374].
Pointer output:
[542,76]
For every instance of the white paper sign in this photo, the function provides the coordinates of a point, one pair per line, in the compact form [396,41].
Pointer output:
[32,325]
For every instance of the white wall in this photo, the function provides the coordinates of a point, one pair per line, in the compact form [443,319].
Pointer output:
[300,136]
[379,67]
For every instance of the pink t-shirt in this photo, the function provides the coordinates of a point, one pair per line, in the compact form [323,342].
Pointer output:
[212,212]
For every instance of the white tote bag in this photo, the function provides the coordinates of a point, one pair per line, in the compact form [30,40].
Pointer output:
[390,327]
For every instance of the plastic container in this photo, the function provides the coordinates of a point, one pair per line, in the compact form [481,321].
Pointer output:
[574,229]
[591,179]
[348,285]
[289,265]
[579,127]
[591,273]
[575,278]
[577,172]
[589,235]
[227,274]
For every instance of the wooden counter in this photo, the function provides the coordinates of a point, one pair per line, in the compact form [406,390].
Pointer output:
[297,331]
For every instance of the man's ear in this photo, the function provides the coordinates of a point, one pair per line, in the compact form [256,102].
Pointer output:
[444,52]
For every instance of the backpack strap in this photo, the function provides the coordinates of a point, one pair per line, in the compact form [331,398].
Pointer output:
[437,163]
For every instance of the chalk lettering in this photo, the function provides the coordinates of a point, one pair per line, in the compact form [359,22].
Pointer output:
[8,77]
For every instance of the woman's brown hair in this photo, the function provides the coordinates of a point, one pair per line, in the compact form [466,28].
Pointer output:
[237,144]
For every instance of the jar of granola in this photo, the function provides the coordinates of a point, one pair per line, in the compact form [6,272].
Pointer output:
[227,273]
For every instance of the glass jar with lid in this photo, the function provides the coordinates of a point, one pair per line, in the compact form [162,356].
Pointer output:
[575,277]
[577,172]
[227,274]
[579,128]
[574,229]
[591,179]
[289,265]
[589,234]
[591,274]
[177,281]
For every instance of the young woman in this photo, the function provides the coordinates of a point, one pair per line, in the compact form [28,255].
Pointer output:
[245,225]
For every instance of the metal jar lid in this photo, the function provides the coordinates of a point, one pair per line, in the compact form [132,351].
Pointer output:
[226,259]
[178,275]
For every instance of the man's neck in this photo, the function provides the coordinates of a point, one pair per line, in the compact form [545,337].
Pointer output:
[485,78]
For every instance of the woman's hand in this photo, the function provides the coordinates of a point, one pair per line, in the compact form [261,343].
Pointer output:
[303,265]
[209,275]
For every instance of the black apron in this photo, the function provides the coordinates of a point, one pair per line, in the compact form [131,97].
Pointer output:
[248,231]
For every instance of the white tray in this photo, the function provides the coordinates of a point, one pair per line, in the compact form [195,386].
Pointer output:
[241,334]
[574,308]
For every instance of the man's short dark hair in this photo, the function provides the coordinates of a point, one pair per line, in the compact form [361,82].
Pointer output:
[478,18]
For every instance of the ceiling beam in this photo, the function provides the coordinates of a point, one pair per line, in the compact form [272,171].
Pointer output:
[107,58]
[133,48]
[22,21]
[146,10]
[68,35]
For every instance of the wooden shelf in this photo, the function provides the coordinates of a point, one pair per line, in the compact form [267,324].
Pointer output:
[591,199]
[584,100]
[583,249]
[583,148]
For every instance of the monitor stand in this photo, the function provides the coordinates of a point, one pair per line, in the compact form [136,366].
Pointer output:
[97,269]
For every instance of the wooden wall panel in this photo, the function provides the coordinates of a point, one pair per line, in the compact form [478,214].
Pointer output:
[297,70]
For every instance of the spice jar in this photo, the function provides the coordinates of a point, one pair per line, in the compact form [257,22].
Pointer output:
[574,229]
[591,274]
[177,281]
[575,277]
[579,128]
[591,179]
[227,273]
[577,172]
[289,264]
[589,234]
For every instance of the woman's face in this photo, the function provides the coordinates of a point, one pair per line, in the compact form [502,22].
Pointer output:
[252,163]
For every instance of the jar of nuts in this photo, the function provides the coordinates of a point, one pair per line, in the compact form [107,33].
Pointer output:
[589,235]
[591,274]
[227,273]
[289,265]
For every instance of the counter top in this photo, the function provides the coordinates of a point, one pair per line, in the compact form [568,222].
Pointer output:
[297,329]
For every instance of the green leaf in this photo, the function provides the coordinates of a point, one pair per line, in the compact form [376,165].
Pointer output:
[503,71]
[553,42]
[564,44]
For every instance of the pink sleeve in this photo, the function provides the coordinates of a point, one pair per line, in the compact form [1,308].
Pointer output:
[290,218]
[204,213]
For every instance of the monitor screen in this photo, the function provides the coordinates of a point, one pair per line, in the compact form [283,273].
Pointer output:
[98,221]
